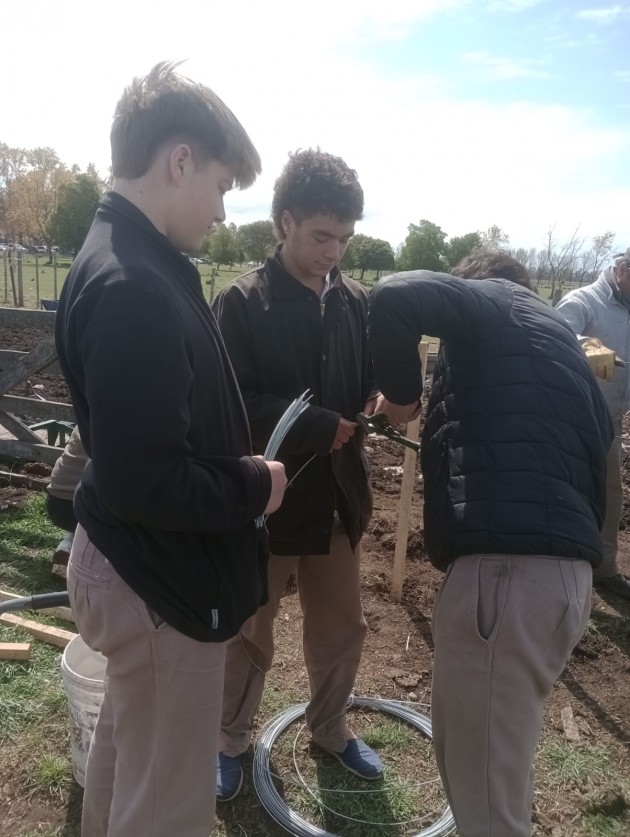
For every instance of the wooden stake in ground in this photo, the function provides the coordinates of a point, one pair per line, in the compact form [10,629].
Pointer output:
[15,650]
[406,493]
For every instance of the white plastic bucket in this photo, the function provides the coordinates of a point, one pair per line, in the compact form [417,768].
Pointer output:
[83,677]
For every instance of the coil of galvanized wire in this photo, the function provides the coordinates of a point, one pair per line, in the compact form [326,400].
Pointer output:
[275,805]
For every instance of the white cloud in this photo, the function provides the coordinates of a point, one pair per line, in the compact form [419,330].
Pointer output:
[296,78]
[604,15]
[494,68]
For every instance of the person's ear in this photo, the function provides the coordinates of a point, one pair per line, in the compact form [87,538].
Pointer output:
[287,222]
[179,162]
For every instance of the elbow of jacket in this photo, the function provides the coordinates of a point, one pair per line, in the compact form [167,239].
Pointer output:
[126,504]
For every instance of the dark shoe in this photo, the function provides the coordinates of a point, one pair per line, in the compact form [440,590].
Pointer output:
[361,760]
[229,776]
[617,584]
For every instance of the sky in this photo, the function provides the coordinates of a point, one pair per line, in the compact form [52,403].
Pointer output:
[467,113]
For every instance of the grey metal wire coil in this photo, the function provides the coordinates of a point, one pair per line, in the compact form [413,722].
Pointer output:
[277,808]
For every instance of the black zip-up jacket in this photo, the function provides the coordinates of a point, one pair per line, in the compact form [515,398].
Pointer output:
[282,341]
[514,446]
[171,492]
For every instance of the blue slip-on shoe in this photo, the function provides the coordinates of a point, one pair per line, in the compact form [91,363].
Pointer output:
[361,760]
[229,776]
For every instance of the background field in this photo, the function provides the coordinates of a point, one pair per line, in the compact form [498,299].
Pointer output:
[33,267]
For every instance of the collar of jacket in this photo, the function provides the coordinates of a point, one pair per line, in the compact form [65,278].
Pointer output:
[114,204]
[286,286]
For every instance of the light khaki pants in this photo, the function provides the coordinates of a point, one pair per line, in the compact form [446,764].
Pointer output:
[614,505]
[504,627]
[152,761]
[329,587]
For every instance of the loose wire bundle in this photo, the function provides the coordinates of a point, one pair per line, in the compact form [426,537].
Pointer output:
[287,420]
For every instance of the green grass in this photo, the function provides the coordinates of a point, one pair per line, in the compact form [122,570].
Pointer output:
[568,764]
[32,701]
[50,775]
[27,543]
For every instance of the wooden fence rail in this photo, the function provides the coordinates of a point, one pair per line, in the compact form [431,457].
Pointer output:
[16,368]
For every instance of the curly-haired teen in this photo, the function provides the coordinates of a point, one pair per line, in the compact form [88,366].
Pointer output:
[167,562]
[297,323]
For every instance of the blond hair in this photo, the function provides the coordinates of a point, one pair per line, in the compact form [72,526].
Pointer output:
[165,106]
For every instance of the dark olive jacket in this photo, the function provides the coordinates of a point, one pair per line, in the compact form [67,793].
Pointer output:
[282,340]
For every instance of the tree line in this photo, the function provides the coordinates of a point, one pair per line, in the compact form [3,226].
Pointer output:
[44,202]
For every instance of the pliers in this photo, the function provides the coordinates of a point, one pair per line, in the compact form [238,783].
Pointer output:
[378,423]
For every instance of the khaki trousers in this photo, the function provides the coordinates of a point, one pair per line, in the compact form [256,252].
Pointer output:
[504,627]
[614,505]
[152,760]
[329,587]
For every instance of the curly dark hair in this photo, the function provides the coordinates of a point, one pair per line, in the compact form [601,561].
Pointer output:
[487,263]
[314,182]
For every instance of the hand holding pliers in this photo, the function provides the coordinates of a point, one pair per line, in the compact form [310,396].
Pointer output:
[379,423]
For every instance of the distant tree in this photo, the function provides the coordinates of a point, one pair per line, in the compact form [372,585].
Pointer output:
[12,164]
[239,252]
[223,246]
[593,261]
[348,261]
[76,206]
[33,194]
[561,260]
[494,237]
[382,256]
[367,253]
[460,246]
[258,240]
[424,248]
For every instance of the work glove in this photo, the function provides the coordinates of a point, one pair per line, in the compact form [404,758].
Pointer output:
[600,359]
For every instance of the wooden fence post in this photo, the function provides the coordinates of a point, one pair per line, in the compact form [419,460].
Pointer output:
[20,280]
[13,285]
[55,275]
[406,493]
[37,280]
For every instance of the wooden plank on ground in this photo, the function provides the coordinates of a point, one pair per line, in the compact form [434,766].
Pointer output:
[17,427]
[24,318]
[8,357]
[406,493]
[15,650]
[45,633]
[13,449]
[41,356]
[64,613]
[24,480]
[36,408]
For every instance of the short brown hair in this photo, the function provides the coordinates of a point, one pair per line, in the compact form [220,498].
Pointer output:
[165,106]
[314,182]
[488,263]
